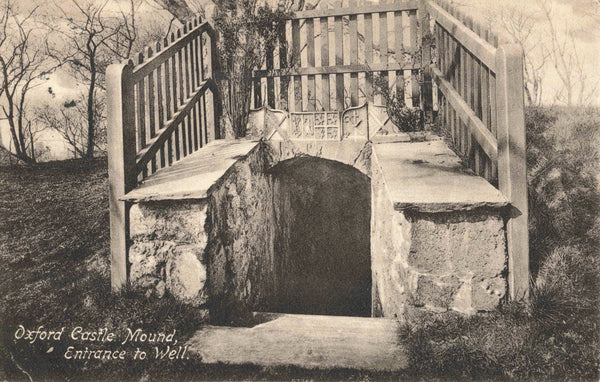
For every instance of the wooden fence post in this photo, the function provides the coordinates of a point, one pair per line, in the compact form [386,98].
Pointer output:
[216,75]
[426,91]
[121,164]
[512,169]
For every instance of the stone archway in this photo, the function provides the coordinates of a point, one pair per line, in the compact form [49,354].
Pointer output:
[322,244]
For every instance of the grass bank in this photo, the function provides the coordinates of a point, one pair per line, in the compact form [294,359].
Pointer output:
[556,334]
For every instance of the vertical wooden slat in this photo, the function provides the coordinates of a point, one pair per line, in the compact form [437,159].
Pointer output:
[310,55]
[168,104]
[414,43]
[175,84]
[353,41]
[188,81]
[182,96]
[141,108]
[215,71]
[426,88]
[283,64]
[297,91]
[512,168]
[160,104]
[270,80]
[201,77]
[369,56]
[198,69]
[383,45]
[121,164]
[485,107]
[339,60]
[461,81]
[325,91]
[151,105]
[398,50]
[196,125]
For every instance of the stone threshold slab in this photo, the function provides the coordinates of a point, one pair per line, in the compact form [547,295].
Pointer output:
[307,341]
[428,177]
[192,176]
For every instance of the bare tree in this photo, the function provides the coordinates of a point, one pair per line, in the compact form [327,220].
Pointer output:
[182,10]
[68,118]
[21,63]
[568,63]
[519,26]
[90,40]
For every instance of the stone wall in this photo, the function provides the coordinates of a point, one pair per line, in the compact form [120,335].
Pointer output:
[279,231]
[167,250]
[241,235]
[453,260]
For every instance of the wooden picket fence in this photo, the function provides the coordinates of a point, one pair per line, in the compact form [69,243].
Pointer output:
[326,57]
[480,98]
[165,105]
[162,106]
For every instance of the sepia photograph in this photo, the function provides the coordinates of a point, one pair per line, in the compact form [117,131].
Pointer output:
[299,190]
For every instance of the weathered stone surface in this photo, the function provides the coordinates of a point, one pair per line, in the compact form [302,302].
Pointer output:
[148,259]
[428,177]
[241,230]
[168,249]
[181,220]
[436,292]
[186,275]
[470,242]
[306,341]
[390,244]
[487,292]
[436,259]
[202,170]
[352,153]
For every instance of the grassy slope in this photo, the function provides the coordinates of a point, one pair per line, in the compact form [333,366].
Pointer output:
[557,333]
[54,242]
[54,262]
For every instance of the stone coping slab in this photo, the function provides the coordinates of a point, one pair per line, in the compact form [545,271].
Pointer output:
[307,341]
[192,176]
[428,177]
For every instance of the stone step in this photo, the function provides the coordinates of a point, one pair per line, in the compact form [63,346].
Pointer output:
[307,341]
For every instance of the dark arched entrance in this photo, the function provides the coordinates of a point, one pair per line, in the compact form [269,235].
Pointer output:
[322,244]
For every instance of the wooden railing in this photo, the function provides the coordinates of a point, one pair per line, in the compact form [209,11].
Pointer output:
[162,107]
[480,98]
[310,70]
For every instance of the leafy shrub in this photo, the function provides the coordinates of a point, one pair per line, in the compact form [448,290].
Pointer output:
[563,169]
[405,118]
[247,31]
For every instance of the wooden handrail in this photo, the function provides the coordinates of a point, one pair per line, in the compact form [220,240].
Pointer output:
[380,8]
[149,66]
[146,154]
[336,69]
[484,51]
[484,137]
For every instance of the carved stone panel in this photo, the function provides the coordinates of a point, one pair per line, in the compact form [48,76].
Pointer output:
[355,123]
[319,125]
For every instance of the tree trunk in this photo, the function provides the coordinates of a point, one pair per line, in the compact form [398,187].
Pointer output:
[178,8]
[89,152]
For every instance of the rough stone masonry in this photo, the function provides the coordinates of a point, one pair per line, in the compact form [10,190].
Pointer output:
[437,233]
